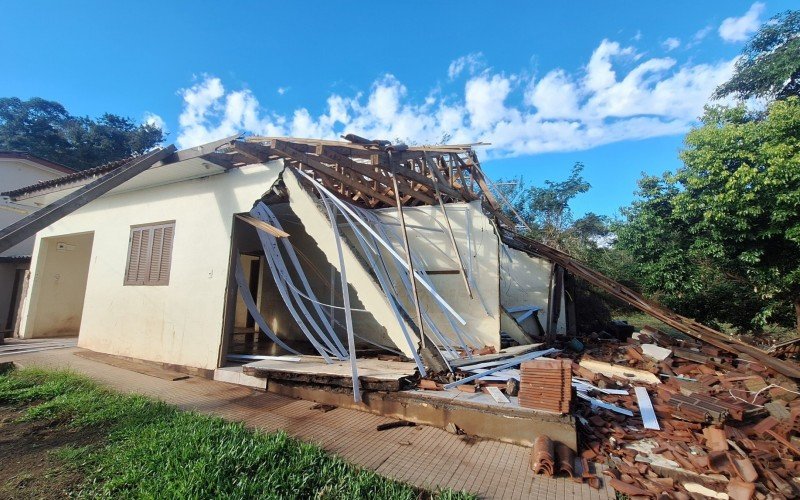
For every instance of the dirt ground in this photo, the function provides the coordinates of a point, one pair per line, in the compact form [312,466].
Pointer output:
[28,465]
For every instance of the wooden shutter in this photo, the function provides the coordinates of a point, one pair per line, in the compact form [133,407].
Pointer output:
[150,254]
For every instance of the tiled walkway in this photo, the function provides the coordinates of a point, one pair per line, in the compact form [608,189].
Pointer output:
[424,456]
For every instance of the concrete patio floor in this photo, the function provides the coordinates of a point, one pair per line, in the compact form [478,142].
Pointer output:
[426,457]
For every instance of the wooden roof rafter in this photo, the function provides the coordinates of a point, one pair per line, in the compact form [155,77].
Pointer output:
[363,173]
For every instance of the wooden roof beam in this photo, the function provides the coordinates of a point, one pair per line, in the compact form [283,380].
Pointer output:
[371,172]
[284,149]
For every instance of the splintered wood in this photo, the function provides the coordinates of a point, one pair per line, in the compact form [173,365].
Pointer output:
[546,384]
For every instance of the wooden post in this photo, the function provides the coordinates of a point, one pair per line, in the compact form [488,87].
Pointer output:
[408,256]
[452,236]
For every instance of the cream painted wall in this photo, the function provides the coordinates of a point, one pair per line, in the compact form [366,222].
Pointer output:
[180,323]
[61,284]
[524,281]
[363,287]
[430,242]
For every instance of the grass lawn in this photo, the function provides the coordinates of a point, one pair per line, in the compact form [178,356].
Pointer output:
[62,434]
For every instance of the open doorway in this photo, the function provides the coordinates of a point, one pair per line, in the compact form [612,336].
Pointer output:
[58,292]
[322,299]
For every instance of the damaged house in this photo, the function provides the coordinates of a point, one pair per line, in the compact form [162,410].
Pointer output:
[343,272]
[179,264]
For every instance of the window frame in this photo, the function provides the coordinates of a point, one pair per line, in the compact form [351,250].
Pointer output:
[144,269]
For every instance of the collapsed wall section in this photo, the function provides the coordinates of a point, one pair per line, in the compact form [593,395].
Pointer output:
[379,323]
[435,257]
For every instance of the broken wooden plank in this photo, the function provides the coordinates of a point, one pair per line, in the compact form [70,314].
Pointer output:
[495,393]
[623,372]
[259,224]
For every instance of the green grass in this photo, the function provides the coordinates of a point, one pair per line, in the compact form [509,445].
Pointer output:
[154,450]
[640,320]
[770,332]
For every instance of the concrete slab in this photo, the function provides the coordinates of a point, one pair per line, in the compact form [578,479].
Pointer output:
[373,374]
[234,375]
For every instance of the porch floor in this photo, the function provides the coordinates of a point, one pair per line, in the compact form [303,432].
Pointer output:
[424,456]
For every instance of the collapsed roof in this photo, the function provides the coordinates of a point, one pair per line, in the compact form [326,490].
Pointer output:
[377,174]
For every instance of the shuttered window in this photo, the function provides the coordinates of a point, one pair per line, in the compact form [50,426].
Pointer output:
[150,254]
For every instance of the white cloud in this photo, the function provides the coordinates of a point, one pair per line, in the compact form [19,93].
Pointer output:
[671,44]
[484,99]
[739,29]
[619,95]
[470,62]
[599,72]
[154,120]
[554,96]
[702,33]
[283,90]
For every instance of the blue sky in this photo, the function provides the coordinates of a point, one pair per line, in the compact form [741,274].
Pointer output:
[614,85]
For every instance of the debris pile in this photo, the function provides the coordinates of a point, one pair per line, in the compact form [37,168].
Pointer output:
[666,417]
[716,424]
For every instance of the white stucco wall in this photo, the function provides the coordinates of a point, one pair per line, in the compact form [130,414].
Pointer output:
[430,243]
[14,174]
[379,324]
[180,323]
[524,281]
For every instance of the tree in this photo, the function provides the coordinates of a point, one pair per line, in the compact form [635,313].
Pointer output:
[722,235]
[548,217]
[546,209]
[770,62]
[45,128]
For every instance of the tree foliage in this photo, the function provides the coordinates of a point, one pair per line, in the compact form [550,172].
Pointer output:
[770,62]
[547,213]
[720,238]
[46,129]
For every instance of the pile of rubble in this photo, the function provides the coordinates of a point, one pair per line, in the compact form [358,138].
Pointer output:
[719,426]
[666,417]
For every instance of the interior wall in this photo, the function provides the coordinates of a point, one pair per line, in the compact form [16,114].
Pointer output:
[430,243]
[240,320]
[61,278]
[380,324]
[181,323]
[524,281]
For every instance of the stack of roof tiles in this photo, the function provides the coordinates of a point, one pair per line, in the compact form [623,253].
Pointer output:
[546,384]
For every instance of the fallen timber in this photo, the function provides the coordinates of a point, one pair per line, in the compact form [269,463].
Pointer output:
[683,324]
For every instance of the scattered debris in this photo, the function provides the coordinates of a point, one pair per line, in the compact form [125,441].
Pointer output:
[656,352]
[646,408]
[430,385]
[453,429]
[495,393]
[542,461]
[621,372]
[716,425]
[323,407]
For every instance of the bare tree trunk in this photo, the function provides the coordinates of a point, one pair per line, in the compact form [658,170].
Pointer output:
[797,313]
